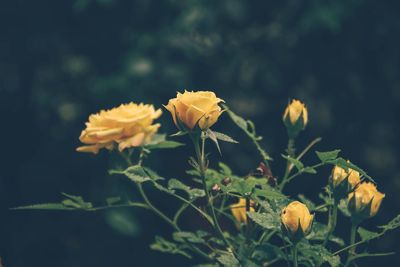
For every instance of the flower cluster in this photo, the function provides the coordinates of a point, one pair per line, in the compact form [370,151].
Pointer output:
[249,220]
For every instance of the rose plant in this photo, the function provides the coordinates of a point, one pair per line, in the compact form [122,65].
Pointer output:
[270,228]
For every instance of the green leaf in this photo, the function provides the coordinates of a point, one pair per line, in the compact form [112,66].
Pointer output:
[225,169]
[309,170]
[192,192]
[228,260]
[112,200]
[319,232]
[328,155]
[239,121]
[299,165]
[137,174]
[317,254]
[75,202]
[393,224]
[224,137]
[366,234]
[163,245]
[164,145]
[191,237]
[270,221]
[44,206]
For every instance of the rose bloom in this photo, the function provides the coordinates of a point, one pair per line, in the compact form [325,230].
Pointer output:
[339,174]
[239,210]
[293,112]
[295,213]
[129,125]
[363,195]
[191,108]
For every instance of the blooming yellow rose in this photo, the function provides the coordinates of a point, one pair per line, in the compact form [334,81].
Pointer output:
[293,112]
[294,214]
[239,210]
[339,174]
[191,108]
[364,196]
[129,125]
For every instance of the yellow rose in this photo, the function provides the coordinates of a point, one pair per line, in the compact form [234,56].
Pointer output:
[129,125]
[239,210]
[293,112]
[339,174]
[294,214]
[365,200]
[191,108]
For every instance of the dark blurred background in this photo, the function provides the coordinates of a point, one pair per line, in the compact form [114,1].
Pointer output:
[63,60]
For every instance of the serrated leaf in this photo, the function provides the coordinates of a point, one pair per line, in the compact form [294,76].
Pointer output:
[224,137]
[166,246]
[318,254]
[266,220]
[393,224]
[239,121]
[75,202]
[228,260]
[225,169]
[366,234]
[297,163]
[187,237]
[137,174]
[328,155]
[192,192]
[319,232]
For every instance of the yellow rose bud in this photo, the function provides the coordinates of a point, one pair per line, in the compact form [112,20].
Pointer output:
[192,108]
[294,111]
[365,201]
[296,216]
[339,174]
[239,210]
[129,125]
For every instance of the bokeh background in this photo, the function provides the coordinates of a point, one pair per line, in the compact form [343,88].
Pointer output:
[63,60]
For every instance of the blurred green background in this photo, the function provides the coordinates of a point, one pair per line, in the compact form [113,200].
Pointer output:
[63,60]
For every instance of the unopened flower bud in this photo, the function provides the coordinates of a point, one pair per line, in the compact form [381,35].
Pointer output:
[296,220]
[365,201]
[295,117]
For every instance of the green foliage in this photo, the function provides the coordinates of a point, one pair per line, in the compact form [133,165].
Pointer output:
[192,192]
[162,245]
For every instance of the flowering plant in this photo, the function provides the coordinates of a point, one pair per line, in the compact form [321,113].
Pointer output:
[270,228]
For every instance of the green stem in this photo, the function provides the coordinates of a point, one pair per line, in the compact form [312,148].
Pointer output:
[202,168]
[352,249]
[295,262]
[332,221]
[290,150]
[157,211]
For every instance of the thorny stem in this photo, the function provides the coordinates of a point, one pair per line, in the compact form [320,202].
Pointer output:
[202,168]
